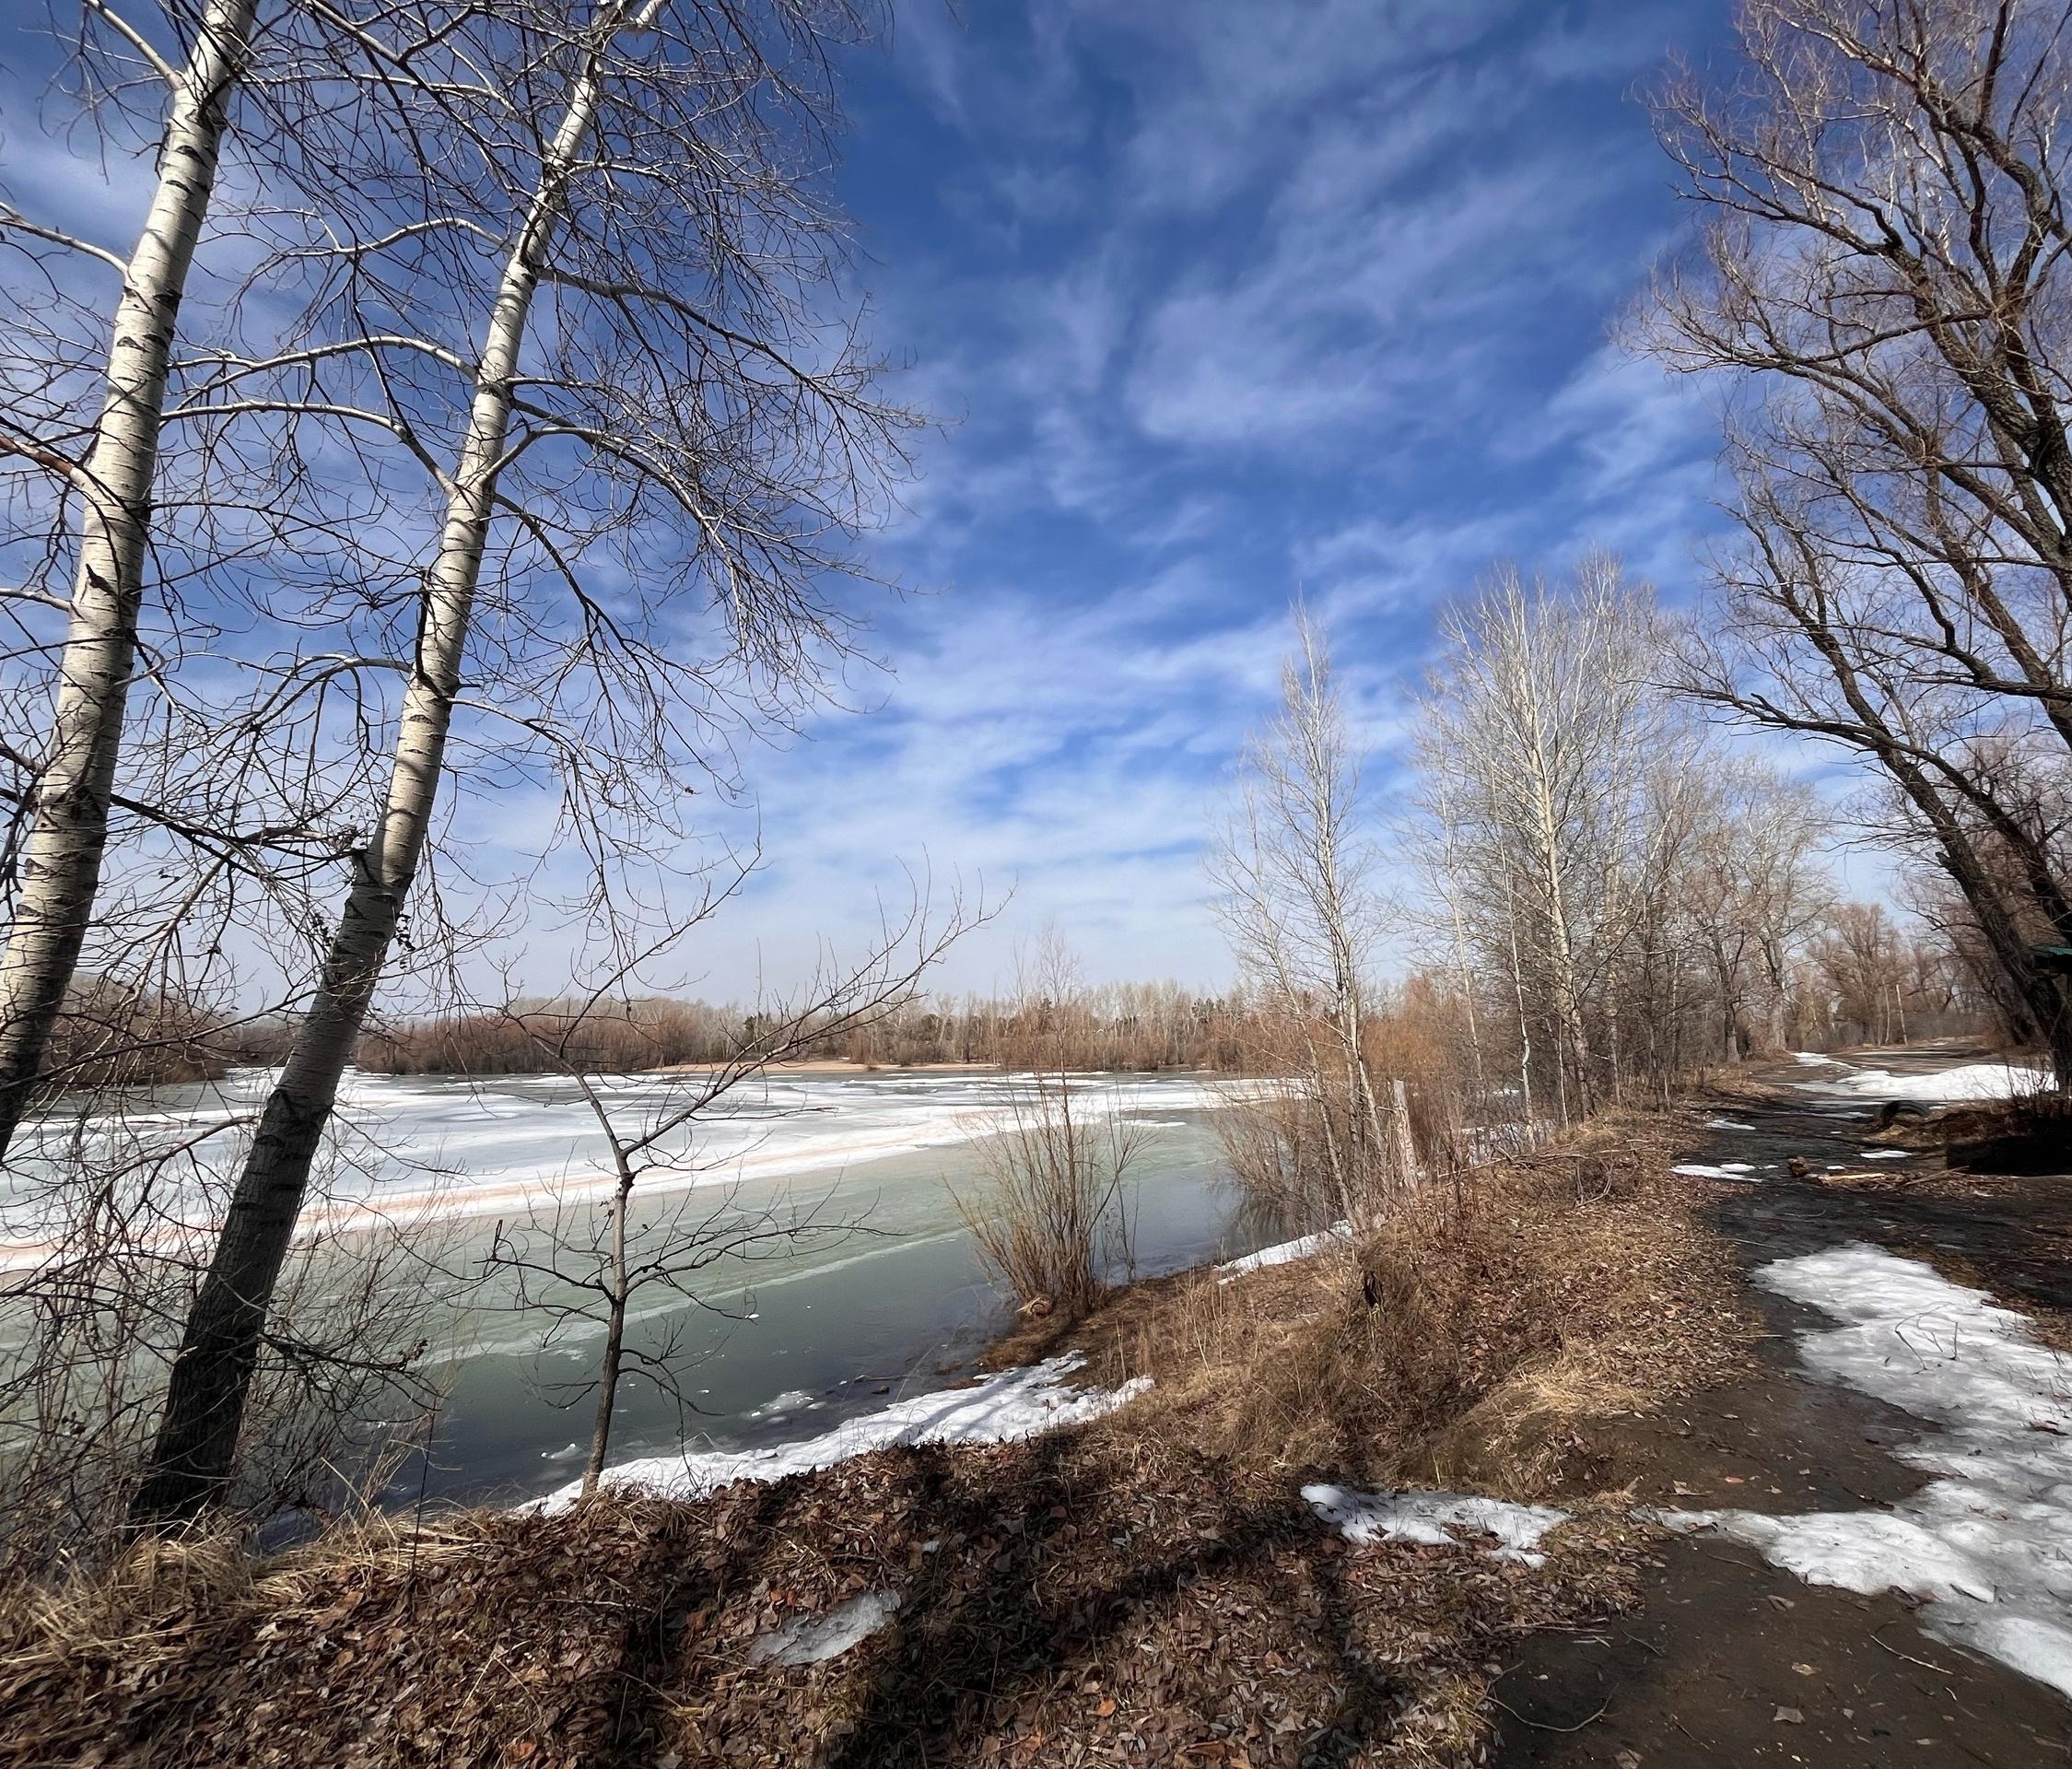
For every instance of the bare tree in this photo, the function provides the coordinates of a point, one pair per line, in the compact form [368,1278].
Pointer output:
[1882,282]
[1753,891]
[590,1263]
[1297,897]
[1538,731]
[646,172]
[1799,649]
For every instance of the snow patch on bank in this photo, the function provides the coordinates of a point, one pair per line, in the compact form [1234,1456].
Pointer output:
[1988,1542]
[814,1639]
[1429,1517]
[1003,1408]
[1284,1253]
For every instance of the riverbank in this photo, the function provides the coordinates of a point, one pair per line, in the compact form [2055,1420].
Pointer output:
[1569,1473]
[1198,1575]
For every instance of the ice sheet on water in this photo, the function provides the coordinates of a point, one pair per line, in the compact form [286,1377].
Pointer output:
[1988,1542]
[412,1150]
[1724,1170]
[1432,1516]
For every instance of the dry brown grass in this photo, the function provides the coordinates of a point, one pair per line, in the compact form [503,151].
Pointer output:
[1573,1286]
[1089,1596]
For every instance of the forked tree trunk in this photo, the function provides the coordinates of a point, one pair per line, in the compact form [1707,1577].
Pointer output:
[59,870]
[197,1441]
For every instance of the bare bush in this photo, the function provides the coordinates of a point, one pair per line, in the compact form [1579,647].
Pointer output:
[342,1386]
[1054,1223]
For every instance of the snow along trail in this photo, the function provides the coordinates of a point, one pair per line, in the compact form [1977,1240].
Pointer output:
[1429,1516]
[1988,1542]
[1724,1170]
[1005,1407]
[1972,1081]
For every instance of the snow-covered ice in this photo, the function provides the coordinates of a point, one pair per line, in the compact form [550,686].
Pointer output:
[1814,1059]
[1430,1516]
[1970,1081]
[814,1639]
[1003,1407]
[1724,1170]
[1988,1542]
[1284,1253]
[412,1148]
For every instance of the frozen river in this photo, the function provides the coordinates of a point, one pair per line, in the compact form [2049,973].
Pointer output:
[882,1294]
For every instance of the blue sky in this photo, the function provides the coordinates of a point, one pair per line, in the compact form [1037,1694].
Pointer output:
[1220,302]
[1227,300]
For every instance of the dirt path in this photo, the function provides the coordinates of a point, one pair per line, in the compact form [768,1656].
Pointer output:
[1733,1661]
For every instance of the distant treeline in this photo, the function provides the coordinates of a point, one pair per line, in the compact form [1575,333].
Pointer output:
[1123,1025]
[114,1034]
[1856,976]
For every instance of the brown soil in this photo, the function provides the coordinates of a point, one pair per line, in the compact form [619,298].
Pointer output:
[1076,1599]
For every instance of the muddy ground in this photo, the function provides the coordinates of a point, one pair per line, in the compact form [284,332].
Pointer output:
[1730,1660]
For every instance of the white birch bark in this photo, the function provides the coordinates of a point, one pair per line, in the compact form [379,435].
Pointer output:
[60,866]
[198,1435]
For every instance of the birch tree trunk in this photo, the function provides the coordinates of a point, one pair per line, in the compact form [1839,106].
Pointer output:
[197,1441]
[1560,948]
[1524,1022]
[61,859]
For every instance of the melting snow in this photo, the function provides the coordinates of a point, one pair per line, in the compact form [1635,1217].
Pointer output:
[1972,1081]
[1986,1542]
[1727,1124]
[1427,1517]
[1286,1253]
[811,1640]
[1012,1404]
[1725,1170]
